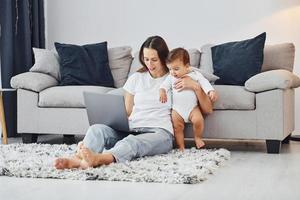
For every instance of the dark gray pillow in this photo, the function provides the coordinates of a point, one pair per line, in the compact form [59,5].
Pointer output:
[84,65]
[236,62]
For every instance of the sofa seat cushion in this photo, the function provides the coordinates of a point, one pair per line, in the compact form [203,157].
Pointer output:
[67,96]
[234,98]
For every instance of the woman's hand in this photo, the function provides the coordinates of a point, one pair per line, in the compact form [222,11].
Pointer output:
[186,82]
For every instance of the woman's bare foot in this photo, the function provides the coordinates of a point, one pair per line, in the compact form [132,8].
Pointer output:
[89,157]
[96,159]
[70,163]
[199,143]
[79,147]
[67,163]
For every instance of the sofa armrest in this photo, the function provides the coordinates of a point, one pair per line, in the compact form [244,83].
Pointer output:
[33,81]
[274,79]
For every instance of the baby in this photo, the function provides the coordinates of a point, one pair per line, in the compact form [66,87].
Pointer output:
[185,103]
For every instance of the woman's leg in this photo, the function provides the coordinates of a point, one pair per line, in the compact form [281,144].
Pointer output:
[198,126]
[100,136]
[96,139]
[178,125]
[159,141]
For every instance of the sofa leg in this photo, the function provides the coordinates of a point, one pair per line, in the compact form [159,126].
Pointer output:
[69,139]
[286,140]
[29,138]
[273,146]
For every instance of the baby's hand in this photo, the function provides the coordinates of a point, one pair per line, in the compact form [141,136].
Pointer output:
[213,96]
[163,96]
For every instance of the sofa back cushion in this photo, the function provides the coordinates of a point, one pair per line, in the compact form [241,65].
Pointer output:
[84,65]
[120,59]
[279,56]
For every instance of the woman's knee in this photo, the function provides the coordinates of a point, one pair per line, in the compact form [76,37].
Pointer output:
[97,129]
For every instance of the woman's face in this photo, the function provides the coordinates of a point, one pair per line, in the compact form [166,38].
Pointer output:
[153,62]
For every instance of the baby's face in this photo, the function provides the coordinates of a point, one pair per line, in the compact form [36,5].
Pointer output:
[177,68]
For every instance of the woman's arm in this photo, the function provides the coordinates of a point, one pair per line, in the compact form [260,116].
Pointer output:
[204,101]
[128,102]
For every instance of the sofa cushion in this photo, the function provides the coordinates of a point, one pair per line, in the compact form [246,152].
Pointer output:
[120,59]
[84,65]
[118,91]
[273,79]
[46,61]
[233,97]
[279,56]
[67,96]
[236,62]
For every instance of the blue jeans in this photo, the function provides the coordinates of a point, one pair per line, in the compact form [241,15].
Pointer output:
[127,147]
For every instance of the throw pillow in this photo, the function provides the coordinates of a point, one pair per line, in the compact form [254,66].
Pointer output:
[47,62]
[120,59]
[236,62]
[273,79]
[84,65]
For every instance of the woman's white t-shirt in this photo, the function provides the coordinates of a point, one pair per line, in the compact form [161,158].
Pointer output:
[148,111]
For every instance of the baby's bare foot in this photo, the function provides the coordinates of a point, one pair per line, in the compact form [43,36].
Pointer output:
[199,143]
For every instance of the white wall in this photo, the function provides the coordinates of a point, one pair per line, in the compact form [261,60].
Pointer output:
[189,23]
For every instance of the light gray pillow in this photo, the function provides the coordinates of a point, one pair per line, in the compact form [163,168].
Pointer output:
[120,59]
[33,81]
[274,79]
[206,62]
[47,62]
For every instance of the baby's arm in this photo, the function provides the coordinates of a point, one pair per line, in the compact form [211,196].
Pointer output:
[207,87]
[165,86]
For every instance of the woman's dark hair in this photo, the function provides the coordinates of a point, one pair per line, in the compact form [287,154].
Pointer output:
[157,43]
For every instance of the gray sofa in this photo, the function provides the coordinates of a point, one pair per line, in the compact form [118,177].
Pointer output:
[262,109]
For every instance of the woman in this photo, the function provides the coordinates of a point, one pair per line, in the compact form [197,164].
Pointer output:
[145,113]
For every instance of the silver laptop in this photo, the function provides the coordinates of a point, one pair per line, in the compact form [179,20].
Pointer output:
[107,109]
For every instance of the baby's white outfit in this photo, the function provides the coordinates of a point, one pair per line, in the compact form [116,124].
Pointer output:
[186,100]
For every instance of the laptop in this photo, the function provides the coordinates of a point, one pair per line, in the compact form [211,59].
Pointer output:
[108,109]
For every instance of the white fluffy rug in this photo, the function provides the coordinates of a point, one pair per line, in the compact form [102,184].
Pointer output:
[36,161]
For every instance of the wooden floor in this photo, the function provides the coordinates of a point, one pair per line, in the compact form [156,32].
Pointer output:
[251,173]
